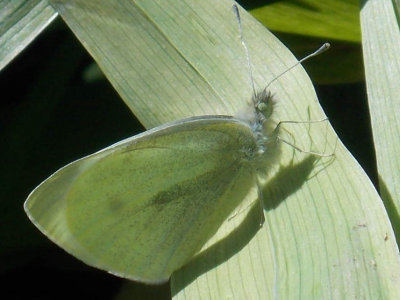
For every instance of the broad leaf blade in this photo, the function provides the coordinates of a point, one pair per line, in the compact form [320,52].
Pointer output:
[21,21]
[326,234]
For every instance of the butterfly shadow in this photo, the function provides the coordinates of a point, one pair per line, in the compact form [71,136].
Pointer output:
[292,177]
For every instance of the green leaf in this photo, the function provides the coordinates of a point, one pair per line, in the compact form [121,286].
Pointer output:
[381,44]
[302,25]
[21,21]
[330,19]
[326,234]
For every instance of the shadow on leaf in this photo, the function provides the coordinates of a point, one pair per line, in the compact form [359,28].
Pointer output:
[291,177]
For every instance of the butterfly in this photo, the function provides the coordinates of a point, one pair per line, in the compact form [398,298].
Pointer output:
[143,207]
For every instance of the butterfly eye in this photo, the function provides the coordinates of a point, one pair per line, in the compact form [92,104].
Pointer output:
[265,108]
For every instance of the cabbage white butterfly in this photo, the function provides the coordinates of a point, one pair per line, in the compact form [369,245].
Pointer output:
[141,208]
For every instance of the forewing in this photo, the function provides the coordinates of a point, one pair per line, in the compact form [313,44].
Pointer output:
[142,208]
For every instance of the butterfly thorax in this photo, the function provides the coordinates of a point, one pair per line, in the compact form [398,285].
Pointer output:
[258,115]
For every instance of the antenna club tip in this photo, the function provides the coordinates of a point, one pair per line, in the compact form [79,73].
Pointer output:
[322,49]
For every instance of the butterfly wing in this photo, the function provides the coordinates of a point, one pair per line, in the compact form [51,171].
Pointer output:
[143,207]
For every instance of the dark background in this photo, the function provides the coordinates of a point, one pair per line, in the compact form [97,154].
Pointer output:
[52,114]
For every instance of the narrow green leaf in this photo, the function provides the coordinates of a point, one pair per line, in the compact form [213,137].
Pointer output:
[21,21]
[329,19]
[381,44]
[302,25]
[327,234]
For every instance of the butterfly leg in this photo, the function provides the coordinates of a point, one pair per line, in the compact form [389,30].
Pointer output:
[261,199]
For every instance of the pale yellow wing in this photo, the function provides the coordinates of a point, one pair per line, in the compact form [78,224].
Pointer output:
[143,207]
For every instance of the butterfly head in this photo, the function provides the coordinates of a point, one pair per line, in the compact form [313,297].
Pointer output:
[264,128]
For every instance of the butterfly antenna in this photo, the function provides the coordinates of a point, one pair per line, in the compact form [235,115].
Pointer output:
[320,50]
[246,49]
